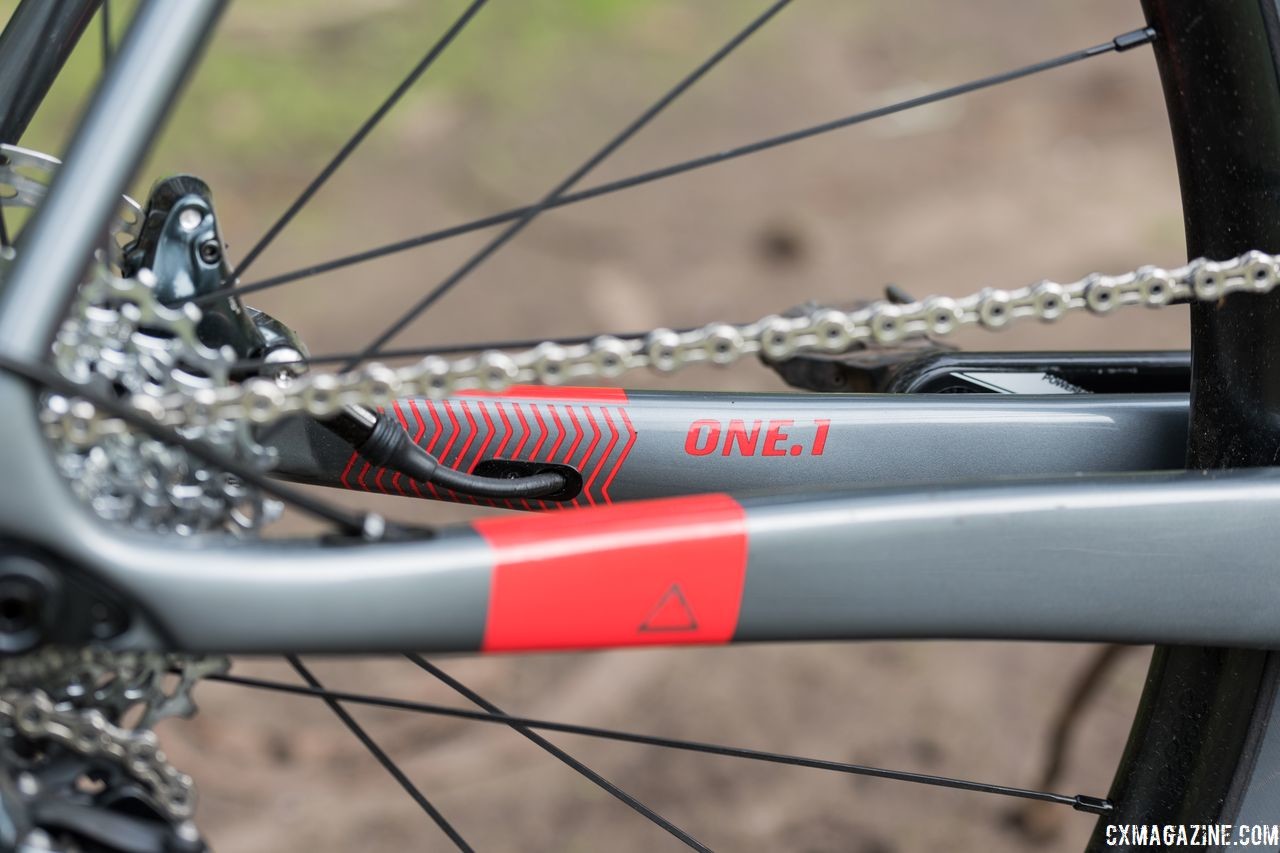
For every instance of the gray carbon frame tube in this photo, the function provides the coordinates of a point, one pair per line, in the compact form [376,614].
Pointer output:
[1098,557]
[640,444]
[1117,559]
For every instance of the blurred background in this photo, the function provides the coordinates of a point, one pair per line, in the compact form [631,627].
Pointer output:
[1055,176]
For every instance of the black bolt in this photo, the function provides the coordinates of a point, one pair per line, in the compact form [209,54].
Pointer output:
[28,601]
[105,621]
[20,601]
[210,252]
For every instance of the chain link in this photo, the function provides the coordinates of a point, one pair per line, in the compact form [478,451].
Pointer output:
[117,336]
[34,713]
[76,698]
[262,401]
[89,734]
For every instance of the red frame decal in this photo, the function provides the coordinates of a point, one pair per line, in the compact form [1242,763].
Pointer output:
[643,573]
[535,422]
[709,437]
[555,392]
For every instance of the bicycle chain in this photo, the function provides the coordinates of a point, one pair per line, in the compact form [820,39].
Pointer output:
[261,400]
[89,734]
[118,336]
[73,697]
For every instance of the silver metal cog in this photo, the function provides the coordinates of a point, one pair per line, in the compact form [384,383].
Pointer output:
[97,706]
[118,338]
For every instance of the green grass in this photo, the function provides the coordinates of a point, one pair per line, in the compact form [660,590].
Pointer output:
[292,78]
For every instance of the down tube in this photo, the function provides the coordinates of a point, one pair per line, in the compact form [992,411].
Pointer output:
[1113,558]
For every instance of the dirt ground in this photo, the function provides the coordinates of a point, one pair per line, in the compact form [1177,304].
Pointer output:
[1054,176]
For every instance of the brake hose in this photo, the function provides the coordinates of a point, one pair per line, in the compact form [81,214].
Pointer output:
[382,441]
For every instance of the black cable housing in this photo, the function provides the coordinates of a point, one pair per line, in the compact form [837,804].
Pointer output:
[386,444]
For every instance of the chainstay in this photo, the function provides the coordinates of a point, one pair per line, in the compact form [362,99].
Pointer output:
[262,401]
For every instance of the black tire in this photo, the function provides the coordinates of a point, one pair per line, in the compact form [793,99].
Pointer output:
[1196,748]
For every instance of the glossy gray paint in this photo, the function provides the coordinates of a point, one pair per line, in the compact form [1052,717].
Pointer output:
[871,438]
[876,439]
[1106,559]
[1103,558]
[1173,558]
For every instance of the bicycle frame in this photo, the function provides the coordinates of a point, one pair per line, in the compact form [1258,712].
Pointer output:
[1012,558]
[626,445]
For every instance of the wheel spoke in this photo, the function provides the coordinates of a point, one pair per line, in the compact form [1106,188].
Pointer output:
[104,28]
[45,377]
[382,757]
[1124,41]
[1080,802]
[358,137]
[376,345]
[560,754]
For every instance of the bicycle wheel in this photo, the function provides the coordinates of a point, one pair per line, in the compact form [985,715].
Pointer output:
[1201,748]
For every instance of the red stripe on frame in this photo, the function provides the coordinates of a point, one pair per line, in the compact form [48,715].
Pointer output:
[543,434]
[450,439]
[578,433]
[355,454]
[472,432]
[417,439]
[554,392]
[437,430]
[622,457]
[471,437]
[643,573]
[524,439]
[524,431]
[542,431]
[591,448]
[507,431]
[488,437]
[555,448]
[453,433]
[604,457]
[404,422]
[489,433]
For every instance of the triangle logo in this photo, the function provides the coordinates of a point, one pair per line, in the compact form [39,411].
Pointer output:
[671,613]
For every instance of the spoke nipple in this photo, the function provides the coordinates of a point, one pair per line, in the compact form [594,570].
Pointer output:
[1091,805]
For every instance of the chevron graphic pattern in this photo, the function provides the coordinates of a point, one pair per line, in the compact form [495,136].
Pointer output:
[586,428]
